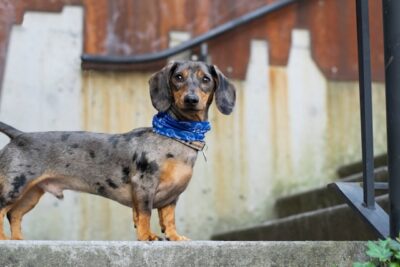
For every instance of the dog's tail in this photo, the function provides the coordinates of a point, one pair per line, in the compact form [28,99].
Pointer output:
[9,131]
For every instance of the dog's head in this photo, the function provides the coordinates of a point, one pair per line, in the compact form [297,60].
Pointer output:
[187,88]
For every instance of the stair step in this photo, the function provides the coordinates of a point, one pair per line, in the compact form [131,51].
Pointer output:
[200,253]
[320,198]
[332,223]
[347,170]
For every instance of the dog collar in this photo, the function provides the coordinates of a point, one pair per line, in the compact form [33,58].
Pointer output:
[196,145]
[186,131]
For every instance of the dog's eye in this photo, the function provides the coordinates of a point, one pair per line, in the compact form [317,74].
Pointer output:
[179,77]
[206,79]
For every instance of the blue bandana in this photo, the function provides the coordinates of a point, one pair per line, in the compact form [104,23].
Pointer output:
[164,124]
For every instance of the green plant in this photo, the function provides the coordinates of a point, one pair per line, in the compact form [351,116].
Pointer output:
[385,253]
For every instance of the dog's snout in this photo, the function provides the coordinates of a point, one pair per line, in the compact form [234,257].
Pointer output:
[191,99]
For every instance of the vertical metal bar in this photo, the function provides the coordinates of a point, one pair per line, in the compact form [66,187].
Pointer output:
[391,32]
[364,69]
[203,52]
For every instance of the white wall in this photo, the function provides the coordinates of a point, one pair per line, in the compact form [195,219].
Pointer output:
[42,91]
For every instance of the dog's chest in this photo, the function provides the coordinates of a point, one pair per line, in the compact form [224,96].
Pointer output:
[174,178]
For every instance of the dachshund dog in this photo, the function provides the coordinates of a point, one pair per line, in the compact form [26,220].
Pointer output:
[142,169]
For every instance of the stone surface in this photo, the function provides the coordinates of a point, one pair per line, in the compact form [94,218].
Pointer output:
[206,253]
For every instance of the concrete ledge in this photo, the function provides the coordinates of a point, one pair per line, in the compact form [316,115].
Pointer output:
[193,253]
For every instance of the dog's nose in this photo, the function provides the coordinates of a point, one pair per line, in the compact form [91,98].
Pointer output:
[191,99]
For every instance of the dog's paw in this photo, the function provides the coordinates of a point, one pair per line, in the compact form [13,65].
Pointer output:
[150,237]
[176,237]
[19,237]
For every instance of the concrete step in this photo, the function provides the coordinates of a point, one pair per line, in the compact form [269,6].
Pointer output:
[200,253]
[356,167]
[320,198]
[332,223]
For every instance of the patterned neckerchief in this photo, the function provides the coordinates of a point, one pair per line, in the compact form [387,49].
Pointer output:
[188,131]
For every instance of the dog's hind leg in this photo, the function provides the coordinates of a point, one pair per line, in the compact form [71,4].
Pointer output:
[3,213]
[19,209]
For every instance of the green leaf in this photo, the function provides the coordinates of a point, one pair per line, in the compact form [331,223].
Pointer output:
[379,250]
[394,264]
[394,245]
[363,264]
[397,255]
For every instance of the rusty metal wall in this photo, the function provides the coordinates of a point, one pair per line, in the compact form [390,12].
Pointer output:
[127,27]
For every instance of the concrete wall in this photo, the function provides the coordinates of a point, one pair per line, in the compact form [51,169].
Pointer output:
[290,130]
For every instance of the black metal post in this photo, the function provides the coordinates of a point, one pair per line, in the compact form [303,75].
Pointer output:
[364,69]
[391,32]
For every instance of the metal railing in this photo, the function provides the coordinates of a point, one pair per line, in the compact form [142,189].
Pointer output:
[361,199]
[195,42]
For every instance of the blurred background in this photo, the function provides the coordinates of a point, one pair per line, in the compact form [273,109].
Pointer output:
[296,119]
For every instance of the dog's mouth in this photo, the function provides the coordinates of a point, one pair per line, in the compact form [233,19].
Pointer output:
[191,109]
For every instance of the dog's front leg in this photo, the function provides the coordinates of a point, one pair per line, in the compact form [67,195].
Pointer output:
[167,223]
[142,206]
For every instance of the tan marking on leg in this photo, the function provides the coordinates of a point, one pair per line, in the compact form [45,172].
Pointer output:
[168,218]
[143,228]
[3,213]
[135,218]
[19,209]
[160,217]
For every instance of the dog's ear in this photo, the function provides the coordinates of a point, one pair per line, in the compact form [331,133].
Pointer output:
[225,91]
[160,92]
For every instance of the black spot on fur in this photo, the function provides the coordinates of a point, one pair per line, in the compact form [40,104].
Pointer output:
[67,165]
[114,140]
[21,143]
[143,165]
[75,146]
[18,182]
[64,137]
[101,190]
[125,175]
[3,202]
[111,184]
[134,157]
[146,203]
[141,176]
[92,154]
[31,173]
[169,155]
[153,167]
